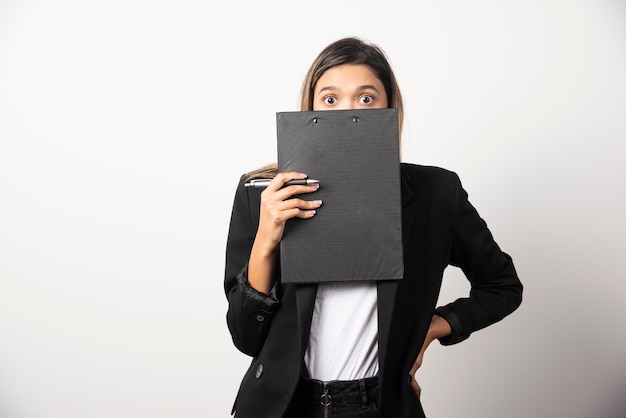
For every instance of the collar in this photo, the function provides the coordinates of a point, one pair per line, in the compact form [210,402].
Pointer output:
[406,189]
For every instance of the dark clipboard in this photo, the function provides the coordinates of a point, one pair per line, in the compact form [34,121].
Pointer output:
[357,232]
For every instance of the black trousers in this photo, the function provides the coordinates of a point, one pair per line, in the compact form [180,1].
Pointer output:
[335,399]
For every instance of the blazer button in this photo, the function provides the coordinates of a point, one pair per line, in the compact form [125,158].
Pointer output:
[260,318]
[259,371]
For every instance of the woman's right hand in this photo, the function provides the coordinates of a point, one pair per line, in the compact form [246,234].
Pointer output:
[277,207]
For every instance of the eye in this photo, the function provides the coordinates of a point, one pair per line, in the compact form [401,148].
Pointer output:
[366,99]
[330,100]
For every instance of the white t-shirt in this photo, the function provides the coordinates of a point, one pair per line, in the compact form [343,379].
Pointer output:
[343,342]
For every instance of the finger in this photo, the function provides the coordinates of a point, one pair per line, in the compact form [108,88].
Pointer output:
[303,214]
[285,193]
[295,203]
[304,209]
[415,386]
[278,212]
[271,194]
[281,178]
[416,365]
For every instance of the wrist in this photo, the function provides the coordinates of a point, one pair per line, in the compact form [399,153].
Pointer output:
[264,249]
[261,266]
[439,327]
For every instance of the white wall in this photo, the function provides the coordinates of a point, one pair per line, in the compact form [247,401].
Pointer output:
[124,127]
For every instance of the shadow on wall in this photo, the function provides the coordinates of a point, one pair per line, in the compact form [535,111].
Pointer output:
[614,405]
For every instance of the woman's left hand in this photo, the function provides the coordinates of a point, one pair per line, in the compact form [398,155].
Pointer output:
[438,328]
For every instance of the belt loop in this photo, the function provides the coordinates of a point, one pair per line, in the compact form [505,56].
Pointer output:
[363,388]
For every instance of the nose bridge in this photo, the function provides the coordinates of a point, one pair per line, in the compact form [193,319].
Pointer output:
[349,105]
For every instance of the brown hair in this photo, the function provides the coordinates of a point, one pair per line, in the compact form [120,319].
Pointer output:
[345,51]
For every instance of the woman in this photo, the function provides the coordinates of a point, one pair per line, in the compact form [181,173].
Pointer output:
[304,363]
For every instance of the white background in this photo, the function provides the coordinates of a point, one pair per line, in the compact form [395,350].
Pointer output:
[124,128]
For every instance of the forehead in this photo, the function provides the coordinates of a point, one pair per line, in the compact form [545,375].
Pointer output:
[348,76]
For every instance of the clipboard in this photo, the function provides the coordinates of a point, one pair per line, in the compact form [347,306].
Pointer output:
[356,234]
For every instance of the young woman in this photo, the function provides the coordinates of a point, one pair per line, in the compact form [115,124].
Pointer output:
[352,349]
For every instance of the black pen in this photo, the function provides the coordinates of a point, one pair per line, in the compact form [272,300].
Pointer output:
[266,182]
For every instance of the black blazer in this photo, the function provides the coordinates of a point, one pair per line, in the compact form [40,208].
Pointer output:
[440,228]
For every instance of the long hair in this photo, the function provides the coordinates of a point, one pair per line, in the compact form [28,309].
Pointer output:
[345,51]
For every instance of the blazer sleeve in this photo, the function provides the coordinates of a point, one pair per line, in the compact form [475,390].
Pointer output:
[496,290]
[249,312]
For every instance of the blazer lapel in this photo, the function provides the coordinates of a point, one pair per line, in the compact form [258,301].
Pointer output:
[387,288]
[386,297]
[305,301]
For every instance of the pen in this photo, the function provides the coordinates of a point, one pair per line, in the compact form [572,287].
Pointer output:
[266,182]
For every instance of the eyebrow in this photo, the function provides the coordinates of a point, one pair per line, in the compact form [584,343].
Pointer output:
[361,88]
